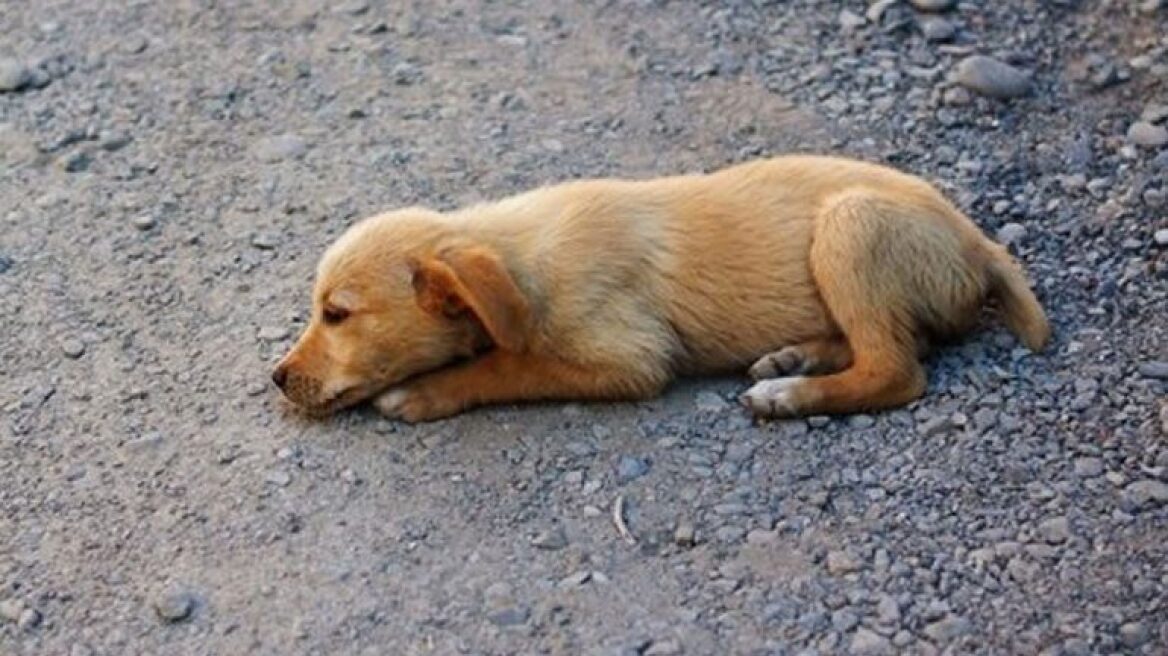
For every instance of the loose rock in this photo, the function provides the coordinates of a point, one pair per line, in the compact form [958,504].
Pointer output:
[933,5]
[552,539]
[629,468]
[14,76]
[949,628]
[992,78]
[1157,369]
[282,147]
[1145,494]
[175,606]
[870,643]
[1142,133]
[73,348]
[841,562]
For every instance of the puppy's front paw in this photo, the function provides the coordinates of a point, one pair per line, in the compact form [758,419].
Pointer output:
[410,404]
[777,397]
[784,362]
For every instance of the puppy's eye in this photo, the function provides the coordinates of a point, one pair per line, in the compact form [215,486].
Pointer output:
[333,315]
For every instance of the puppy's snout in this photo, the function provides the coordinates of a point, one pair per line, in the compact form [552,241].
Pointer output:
[280,376]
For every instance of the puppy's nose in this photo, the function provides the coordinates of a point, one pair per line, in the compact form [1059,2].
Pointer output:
[280,376]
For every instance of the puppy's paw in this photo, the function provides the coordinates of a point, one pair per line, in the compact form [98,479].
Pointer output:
[410,404]
[784,362]
[777,397]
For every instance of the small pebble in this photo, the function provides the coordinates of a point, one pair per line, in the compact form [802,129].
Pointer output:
[145,222]
[1147,135]
[1056,530]
[947,629]
[264,241]
[841,562]
[870,643]
[510,616]
[175,606]
[552,539]
[933,5]
[629,468]
[1133,634]
[937,29]
[14,76]
[685,534]
[1011,233]
[272,333]
[992,78]
[1088,467]
[282,147]
[73,348]
[11,610]
[1157,369]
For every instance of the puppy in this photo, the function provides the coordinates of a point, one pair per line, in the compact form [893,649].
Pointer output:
[826,278]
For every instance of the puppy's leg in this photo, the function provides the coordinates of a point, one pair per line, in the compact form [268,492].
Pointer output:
[504,376]
[818,357]
[876,263]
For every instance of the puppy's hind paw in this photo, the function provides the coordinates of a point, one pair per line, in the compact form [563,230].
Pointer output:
[777,397]
[784,362]
[391,403]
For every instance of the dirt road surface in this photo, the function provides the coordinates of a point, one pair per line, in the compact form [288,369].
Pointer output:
[170,171]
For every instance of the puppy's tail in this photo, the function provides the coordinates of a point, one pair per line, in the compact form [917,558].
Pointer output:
[1020,308]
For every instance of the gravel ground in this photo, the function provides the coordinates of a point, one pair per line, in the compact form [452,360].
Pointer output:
[169,172]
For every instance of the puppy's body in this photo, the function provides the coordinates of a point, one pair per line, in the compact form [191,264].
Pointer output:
[610,288]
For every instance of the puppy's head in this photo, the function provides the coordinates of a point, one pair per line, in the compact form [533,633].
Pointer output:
[397,295]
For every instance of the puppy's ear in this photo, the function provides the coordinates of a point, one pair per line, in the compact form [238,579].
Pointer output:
[474,280]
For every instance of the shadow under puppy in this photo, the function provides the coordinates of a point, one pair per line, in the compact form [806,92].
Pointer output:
[826,277]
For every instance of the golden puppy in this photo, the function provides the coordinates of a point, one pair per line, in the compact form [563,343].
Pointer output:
[830,276]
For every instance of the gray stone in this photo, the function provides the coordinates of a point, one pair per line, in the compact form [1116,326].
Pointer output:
[730,534]
[933,5]
[14,76]
[144,222]
[1133,634]
[11,610]
[1145,494]
[273,333]
[1147,135]
[841,562]
[73,348]
[668,647]
[281,147]
[1011,233]
[844,620]
[685,534]
[937,29]
[1055,530]
[629,469]
[992,78]
[850,21]
[29,619]
[552,539]
[510,616]
[175,606]
[1157,369]
[947,629]
[708,401]
[265,241]
[869,643]
[888,611]
[279,477]
[1161,237]
[1088,467]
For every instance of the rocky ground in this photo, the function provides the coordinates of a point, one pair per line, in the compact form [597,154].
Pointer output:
[169,172]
